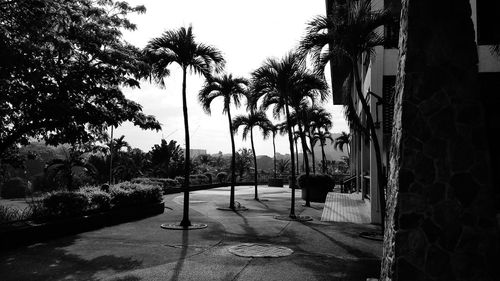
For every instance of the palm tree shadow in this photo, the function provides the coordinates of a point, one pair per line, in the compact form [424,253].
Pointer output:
[180,262]
[350,249]
[57,263]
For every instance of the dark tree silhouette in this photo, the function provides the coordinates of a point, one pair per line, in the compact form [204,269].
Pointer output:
[179,46]
[230,89]
[62,66]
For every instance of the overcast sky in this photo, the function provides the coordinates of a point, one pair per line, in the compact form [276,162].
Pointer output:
[247,32]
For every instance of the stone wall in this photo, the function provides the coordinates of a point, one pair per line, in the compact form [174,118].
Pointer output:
[441,221]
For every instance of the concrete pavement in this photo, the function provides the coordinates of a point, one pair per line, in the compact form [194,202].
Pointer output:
[141,250]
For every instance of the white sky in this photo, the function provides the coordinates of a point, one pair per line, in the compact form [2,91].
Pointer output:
[247,32]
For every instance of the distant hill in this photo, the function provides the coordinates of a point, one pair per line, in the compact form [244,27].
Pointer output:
[265,162]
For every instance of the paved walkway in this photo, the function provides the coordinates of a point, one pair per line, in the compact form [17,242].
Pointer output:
[345,207]
[141,250]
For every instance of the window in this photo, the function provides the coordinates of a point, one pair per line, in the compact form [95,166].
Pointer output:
[488,13]
[389,84]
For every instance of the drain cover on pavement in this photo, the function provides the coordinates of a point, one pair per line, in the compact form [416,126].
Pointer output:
[260,250]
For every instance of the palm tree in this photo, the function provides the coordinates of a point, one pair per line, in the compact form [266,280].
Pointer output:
[318,118]
[273,82]
[228,88]
[274,129]
[254,119]
[340,141]
[346,35]
[179,46]
[322,137]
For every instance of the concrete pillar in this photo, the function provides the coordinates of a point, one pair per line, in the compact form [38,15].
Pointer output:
[441,214]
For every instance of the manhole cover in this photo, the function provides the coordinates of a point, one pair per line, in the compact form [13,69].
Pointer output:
[260,250]
[176,226]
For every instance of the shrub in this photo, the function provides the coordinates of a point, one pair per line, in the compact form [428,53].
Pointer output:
[127,194]
[98,200]
[180,180]
[65,203]
[210,177]
[8,214]
[222,177]
[14,188]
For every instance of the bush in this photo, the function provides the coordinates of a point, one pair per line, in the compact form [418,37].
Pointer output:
[98,199]
[198,179]
[180,180]
[9,214]
[128,194]
[65,203]
[14,188]
[222,177]
[210,177]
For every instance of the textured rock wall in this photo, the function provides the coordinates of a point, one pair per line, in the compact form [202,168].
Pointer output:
[441,219]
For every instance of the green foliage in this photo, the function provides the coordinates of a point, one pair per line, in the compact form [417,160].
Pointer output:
[130,194]
[63,63]
[14,188]
[10,214]
[180,180]
[167,159]
[222,177]
[244,161]
[65,204]
[98,200]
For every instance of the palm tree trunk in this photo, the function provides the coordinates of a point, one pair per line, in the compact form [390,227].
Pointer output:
[313,157]
[254,165]
[306,161]
[376,145]
[323,156]
[290,140]
[233,160]
[185,216]
[274,154]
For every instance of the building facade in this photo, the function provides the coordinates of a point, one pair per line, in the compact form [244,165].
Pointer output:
[378,73]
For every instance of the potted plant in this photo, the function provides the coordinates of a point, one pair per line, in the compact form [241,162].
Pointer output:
[317,186]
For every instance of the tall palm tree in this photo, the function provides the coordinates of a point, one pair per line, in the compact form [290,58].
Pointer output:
[179,46]
[341,141]
[229,88]
[254,119]
[318,118]
[273,82]
[346,35]
[274,129]
[322,136]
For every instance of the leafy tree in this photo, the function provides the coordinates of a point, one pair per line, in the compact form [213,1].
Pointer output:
[63,63]
[179,46]
[283,166]
[230,89]
[243,161]
[64,167]
[254,119]
[347,34]
[166,159]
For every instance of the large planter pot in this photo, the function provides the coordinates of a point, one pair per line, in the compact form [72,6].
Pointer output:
[275,182]
[317,194]
[316,187]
